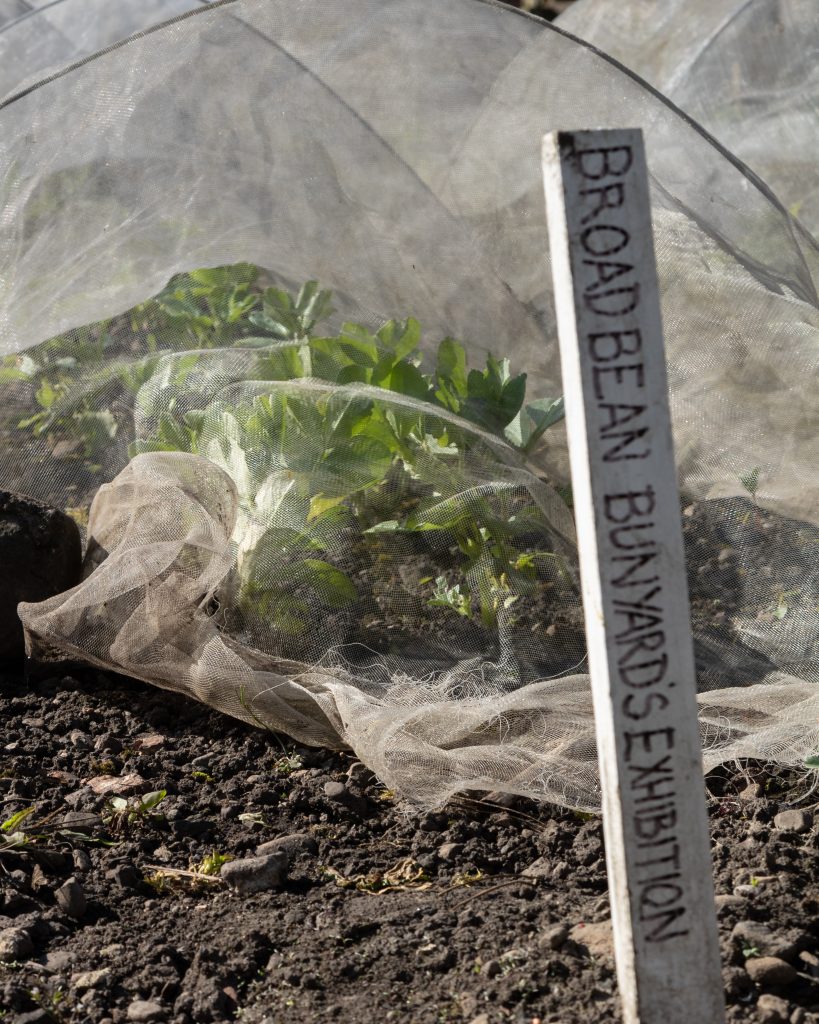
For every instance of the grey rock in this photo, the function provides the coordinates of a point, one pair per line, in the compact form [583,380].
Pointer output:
[15,944]
[449,851]
[58,960]
[726,900]
[71,899]
[769,970]
[292,845]
[38,1016]
[41,555]
[596,937]
[125,876]
[809,963]
[772,1010]
[108,744]
[793,821]
[82,861]
[335,790]
[540,868]
[83,821]
[144,1010]
[754,935]
[256,874]
[86,980]
[554,937]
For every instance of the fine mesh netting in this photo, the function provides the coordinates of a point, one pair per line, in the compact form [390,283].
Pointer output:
[276,307]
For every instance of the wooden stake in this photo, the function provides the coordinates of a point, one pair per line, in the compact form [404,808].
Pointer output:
[632,565]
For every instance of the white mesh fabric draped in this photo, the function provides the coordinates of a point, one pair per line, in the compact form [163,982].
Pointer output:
[388,569]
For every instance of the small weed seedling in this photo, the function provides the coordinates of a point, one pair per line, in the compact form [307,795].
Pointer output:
[124,812]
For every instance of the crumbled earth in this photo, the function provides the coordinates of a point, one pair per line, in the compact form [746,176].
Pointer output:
[339,902]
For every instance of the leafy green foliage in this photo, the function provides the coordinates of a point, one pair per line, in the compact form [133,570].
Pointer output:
[482,523]
[320,432]
[211,305]
[123,811]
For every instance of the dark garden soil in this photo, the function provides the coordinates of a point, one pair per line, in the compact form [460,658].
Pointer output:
[479,913]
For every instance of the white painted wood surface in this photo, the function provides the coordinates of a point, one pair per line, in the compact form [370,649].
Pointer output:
[635,593]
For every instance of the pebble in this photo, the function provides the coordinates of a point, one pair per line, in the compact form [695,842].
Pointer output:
[292,845]
[15,944]
[71,899]
[449,851]
[255,874]
[540,868]
[144,1010]
[125,875]
[108,744]
[90,979]
[726,900]
[746,890]
[554,937]
[58,960]
[37,1016]
[753,934]
[82,861]
[769,970]
[793,821]
[809,963]
[335,790]
[597,937]
[772,1010]
[82,821]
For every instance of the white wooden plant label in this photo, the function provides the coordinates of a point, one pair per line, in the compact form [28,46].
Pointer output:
[635,595]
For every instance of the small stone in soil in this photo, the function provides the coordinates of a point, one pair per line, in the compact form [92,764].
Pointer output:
[335,790]
[145,1010]
[540,868]
[793,821]
[15,944]
[255,874]
[449,851]
[769,970]
[772,1010]
[90,979]
[71,899]
[82,861]
[554,937]
[755,935]
[298,842]
[597,938]
[125,875]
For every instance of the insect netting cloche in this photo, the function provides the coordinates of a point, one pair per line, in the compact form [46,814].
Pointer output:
[276,315]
